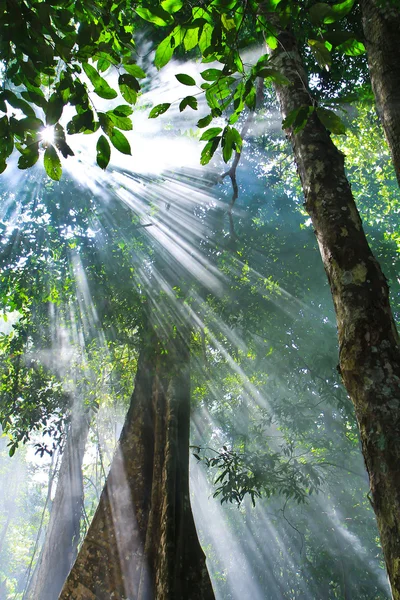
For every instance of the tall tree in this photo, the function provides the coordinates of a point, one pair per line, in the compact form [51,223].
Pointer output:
[381,24]
[163,552]
[63,531]
[142,542]
[369,353]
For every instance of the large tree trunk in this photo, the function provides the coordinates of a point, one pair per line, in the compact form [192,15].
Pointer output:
[62,536]
[142,543]
[368,340]
[381,24]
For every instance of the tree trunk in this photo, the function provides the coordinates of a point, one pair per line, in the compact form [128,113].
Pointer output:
[368,340]
[142,543]
[381,24]
[62,536]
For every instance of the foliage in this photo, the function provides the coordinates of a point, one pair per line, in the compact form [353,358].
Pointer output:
[54,56]
[257,473]
[264,347]
[41,274]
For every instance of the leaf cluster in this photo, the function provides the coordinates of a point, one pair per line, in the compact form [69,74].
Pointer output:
[260,473]
[55,54]
[46,50]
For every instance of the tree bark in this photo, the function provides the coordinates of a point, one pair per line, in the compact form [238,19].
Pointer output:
[62,536]
[368,340]
[142,543]
[381,25]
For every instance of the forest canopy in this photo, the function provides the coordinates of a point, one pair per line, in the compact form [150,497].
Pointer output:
[66,47]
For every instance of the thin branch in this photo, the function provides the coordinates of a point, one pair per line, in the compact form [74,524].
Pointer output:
[231,172]
[292,526]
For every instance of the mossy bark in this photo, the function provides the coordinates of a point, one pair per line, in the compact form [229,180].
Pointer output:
[381,25]
[142,543]
[368,340]
[62,536]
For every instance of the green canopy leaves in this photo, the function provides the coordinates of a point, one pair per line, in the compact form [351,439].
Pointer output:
[63,44]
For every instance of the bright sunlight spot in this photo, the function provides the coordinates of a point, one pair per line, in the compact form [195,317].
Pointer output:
[47,135]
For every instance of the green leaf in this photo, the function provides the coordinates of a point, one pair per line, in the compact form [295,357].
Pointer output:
[156,15]
[60,143]
[204,121]
[321,13]
[231,140]
[352,47]
[106,123]
[35,98]
[4,126]
[331,121]
[237,138]
[54,109]
[297,118]
[31,123]
[191,38]
[251,98]
[227,23]
[205,39]
[325,13]
[103,152]
[130,81]
[123,110]
[172,6]
[211,74]
[209,150]
[128,94]
[164,52]
[121,122]
[52,163]
[7,140]
[134,70]
[270,5]
[29,157]
[201,13]
[11,452]
[337,37]
[185,79]
[210,133]
[159,110]
[273,75]
[341,9]
[120,142]
[101,87]
[16,102]
[103,64]
[81,122]
[105,91]
[188,101]
[321,53]
[272,41]
[92,74]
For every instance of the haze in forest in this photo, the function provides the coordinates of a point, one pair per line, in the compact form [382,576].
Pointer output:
[177,419]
